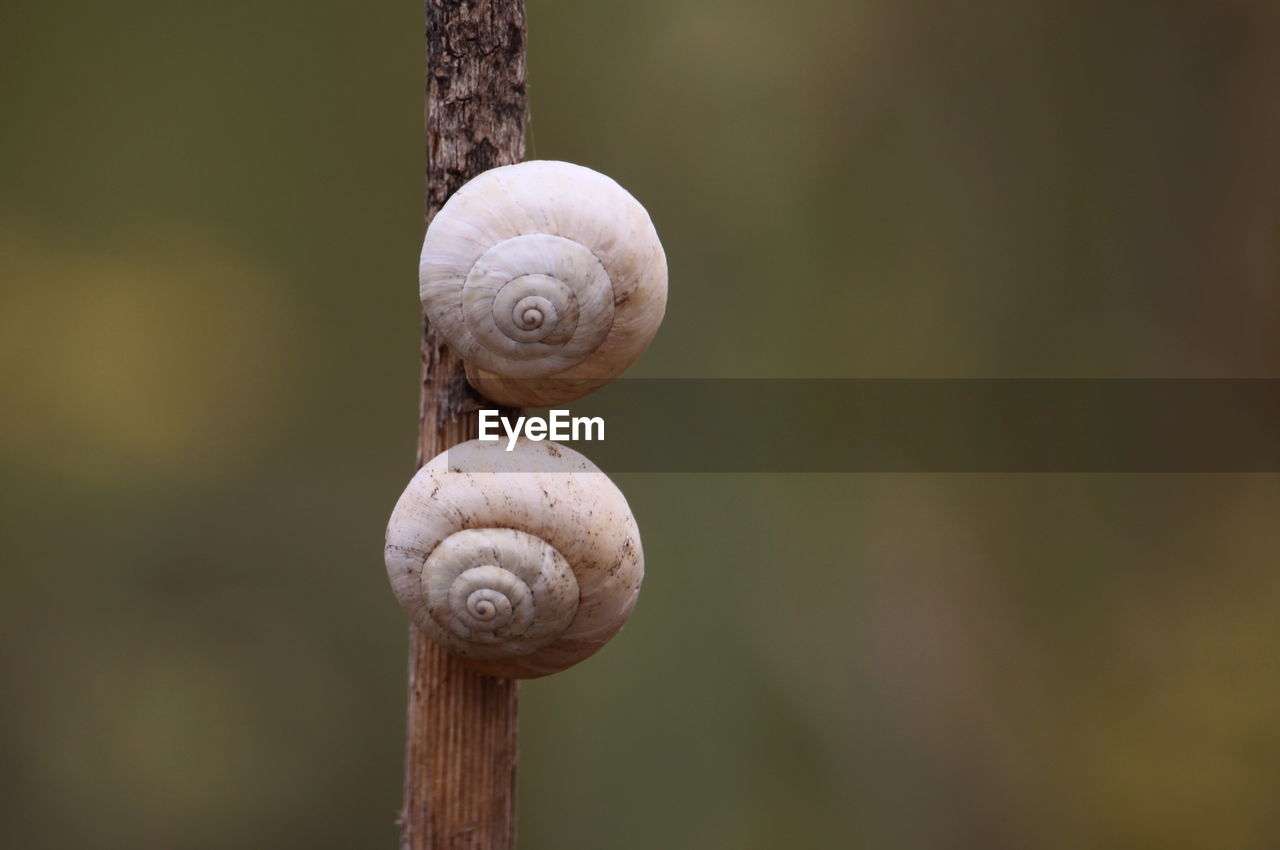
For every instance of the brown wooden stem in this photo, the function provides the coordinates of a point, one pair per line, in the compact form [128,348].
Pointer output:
[460,747]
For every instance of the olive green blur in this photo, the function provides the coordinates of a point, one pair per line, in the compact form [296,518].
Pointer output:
[210,216]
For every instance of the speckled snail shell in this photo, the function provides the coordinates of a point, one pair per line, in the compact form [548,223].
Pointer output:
[546,277]
[523,562]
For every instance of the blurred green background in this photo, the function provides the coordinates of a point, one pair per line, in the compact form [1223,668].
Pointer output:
[210,215]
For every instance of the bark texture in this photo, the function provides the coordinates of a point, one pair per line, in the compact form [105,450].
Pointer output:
[460,748]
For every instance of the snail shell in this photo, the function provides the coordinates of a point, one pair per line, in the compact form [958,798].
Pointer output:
[546,277]
[524,562]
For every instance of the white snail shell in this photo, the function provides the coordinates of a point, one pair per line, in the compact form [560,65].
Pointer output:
[524,562]
[546,277]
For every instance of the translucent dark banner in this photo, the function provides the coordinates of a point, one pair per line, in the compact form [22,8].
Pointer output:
[928,425]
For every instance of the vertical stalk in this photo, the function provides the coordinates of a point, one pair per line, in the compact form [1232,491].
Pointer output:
[460,747]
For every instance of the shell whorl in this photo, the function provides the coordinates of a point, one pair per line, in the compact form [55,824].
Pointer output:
[496,592]
[522,562]
[535,305]
[548,279]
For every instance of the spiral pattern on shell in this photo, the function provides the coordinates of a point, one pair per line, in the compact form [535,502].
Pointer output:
[522,562]
[548,279]
[484,588]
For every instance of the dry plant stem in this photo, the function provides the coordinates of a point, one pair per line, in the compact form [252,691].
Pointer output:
[460,748]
